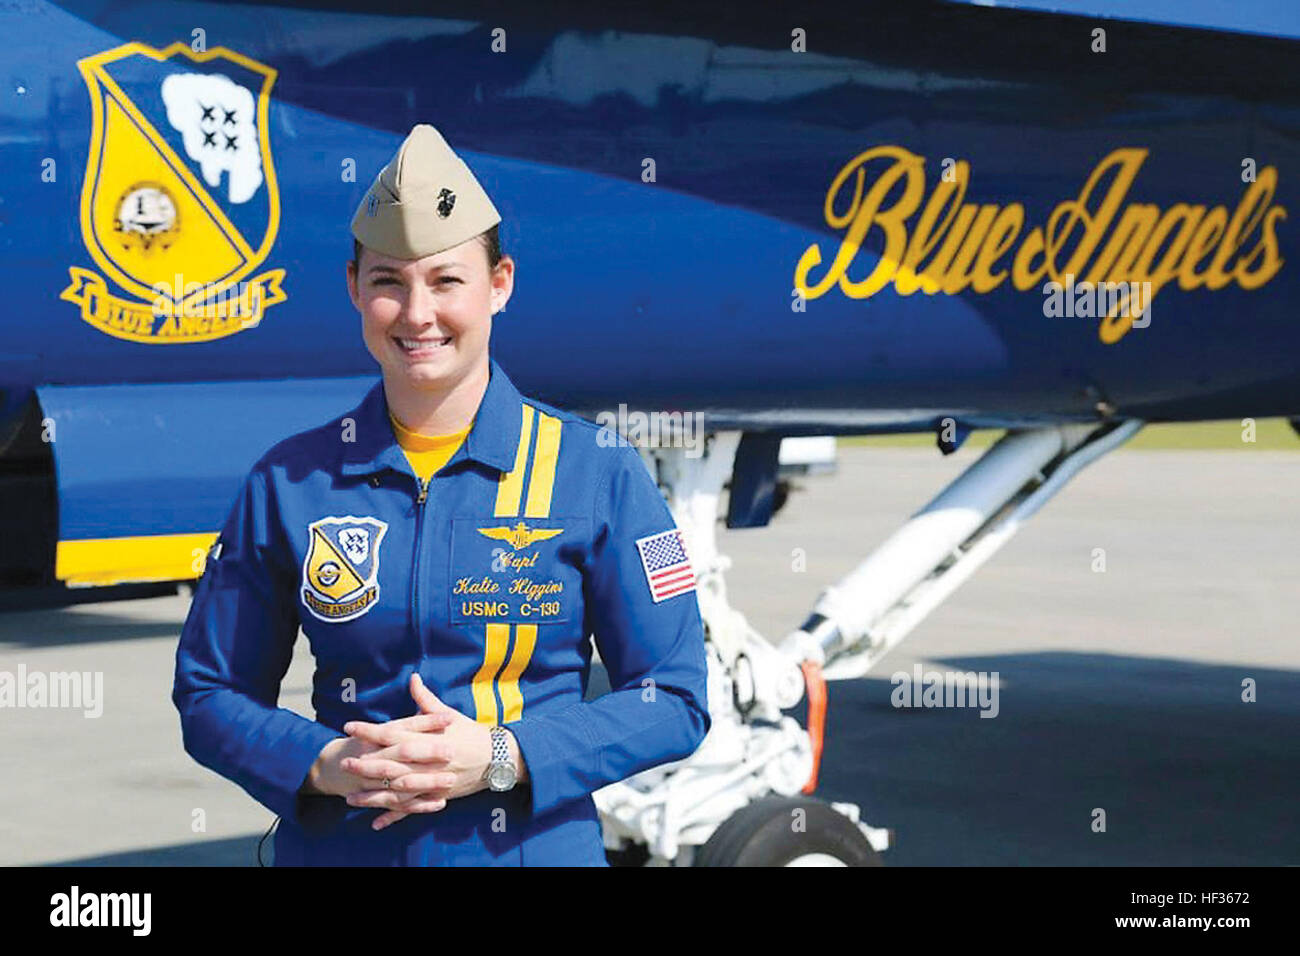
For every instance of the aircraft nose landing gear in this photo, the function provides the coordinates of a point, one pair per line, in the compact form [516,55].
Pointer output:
[788,831]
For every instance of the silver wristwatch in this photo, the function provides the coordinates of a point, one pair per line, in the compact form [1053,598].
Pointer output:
[500,773]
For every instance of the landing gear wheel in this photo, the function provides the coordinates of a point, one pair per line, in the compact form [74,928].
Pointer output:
[764,834]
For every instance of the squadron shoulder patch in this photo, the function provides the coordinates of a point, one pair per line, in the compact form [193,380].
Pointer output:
[340,574]
[667,566]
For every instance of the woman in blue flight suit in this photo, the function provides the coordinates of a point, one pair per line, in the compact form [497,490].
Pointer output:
[449,613]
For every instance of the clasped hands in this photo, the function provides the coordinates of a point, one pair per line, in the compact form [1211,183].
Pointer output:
[427,759]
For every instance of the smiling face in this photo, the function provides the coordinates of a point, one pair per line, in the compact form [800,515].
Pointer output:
[427,321]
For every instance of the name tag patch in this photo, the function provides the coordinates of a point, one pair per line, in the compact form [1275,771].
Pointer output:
[515,570]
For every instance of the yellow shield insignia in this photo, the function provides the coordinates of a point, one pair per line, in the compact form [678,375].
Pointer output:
[340,571]
[180,202]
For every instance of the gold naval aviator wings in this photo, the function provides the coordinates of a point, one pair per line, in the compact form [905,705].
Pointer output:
[520,536]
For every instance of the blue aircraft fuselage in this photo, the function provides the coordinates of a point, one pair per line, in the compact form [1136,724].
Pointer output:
[856,219]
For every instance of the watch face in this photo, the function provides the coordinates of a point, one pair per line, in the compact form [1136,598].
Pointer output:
[501,777]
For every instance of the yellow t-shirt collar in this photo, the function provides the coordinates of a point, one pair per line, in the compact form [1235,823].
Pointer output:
[414,441]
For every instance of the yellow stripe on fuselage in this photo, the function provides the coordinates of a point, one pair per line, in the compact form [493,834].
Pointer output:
[157,557]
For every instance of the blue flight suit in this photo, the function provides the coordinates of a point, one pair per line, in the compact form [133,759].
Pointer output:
[488,582]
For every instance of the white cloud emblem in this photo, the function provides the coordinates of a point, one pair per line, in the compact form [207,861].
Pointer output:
[216,119]
[355,543]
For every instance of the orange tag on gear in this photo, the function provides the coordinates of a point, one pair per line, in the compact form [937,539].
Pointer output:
[816,685]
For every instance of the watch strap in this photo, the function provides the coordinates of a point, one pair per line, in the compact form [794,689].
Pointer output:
[500,745]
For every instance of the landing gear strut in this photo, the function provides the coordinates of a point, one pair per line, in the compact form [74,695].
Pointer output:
[739,799]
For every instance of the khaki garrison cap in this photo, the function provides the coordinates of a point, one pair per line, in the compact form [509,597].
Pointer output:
[424,201]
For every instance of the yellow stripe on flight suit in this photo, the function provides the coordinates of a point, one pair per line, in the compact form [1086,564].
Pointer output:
[543,477]
[485,701]
[511,699]
[510,495]
[511,486]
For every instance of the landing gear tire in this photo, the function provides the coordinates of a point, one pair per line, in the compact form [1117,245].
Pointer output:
[765,834]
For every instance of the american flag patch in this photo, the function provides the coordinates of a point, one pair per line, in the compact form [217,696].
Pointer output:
[667,567]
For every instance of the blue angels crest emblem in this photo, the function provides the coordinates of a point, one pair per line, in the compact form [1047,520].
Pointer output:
[180,205]
[340,573]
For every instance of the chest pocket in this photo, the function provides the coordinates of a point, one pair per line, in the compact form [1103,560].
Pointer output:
[517,570]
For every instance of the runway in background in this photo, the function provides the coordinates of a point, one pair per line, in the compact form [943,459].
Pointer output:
[1119,690]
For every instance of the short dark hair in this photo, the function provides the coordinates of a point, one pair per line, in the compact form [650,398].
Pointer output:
[491,241]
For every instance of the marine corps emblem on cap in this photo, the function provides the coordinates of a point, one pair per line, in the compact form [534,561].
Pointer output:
[408,212]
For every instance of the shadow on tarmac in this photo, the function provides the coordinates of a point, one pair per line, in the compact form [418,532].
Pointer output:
[1188,774]
[236,851]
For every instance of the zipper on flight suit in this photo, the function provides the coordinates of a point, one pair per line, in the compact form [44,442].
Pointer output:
[415,576]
